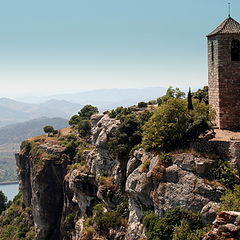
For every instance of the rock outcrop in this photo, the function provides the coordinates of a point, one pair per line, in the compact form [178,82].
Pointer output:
[226,226]
[63,191]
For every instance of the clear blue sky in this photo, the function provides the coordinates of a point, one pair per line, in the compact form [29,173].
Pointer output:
[74,45]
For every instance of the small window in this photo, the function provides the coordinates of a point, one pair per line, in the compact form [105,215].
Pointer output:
[212,52]
[235,50]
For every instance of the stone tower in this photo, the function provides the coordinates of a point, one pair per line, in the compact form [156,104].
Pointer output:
[224,73]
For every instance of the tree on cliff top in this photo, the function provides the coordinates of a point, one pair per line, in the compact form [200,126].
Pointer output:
[48,129]
[172,125]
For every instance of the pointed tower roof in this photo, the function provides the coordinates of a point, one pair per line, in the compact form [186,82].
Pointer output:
[228,26]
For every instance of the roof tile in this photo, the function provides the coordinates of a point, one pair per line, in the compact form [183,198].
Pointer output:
[228,26]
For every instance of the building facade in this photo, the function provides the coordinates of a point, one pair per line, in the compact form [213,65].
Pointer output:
[224,74]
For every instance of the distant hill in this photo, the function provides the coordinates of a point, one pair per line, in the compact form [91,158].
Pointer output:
[18,132]
[106,99]
[12,111]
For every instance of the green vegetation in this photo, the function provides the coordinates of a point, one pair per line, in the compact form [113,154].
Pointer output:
[142,105]
[173,125]
[87,111]
[81,122]
[69,220]
[16,222]
[231,199]
[171,93]
[104,220]
[49,130]
[120,111]
[3,202]
[201,95]
[225,173]
[165,159]
[172,225]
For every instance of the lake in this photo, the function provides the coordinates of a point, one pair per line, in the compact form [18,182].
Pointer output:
[10,190]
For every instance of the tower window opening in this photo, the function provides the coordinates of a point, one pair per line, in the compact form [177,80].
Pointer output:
[212,52]
[235,50]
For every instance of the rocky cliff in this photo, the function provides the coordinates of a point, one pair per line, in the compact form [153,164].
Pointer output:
[84,191]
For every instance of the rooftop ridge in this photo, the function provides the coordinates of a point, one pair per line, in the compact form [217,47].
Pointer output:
[228,26]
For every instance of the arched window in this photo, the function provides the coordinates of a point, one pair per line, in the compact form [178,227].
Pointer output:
[235,50]
[212,52]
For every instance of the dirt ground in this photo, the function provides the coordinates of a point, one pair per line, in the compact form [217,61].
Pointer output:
[226,135]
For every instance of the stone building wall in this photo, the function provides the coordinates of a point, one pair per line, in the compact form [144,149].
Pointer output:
[224,82]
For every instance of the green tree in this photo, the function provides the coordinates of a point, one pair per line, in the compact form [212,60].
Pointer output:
[84,128]
[74,120]
[201,95]
[172,124]
[48,129]
[142,104]
[87,111]
[189,98]
[171,93]
[127,136]
[3,202]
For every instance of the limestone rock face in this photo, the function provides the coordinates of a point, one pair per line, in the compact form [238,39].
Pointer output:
[62,197]
[226,226]
[41,182]
[163,188]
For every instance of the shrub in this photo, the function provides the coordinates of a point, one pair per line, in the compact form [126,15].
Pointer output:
[165,159]
[84,128]
[142,105]
[88,233]
[162,228]
[173,125]
[184,232]
[70,219]
[145,165]
[104,220]
[225,173]
[231,199]
[3,202]
[127,136]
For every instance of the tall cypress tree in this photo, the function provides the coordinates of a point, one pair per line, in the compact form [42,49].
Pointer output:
[189,98]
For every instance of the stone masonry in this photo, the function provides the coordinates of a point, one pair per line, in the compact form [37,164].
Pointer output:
[224,75]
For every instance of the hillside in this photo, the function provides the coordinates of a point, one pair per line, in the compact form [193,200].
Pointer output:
[106,99]
[12,111]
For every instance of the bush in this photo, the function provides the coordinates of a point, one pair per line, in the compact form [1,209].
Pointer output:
[231,200]
[84,128]
[225,173]
[142,105]
[87,111]
[127,136]
[165,159]
[173,125]
[70,219]
[3,202]
[104,220]
[145,165]
[184,232]
[162,228]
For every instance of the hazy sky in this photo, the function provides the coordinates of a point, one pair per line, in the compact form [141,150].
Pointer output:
[54,46]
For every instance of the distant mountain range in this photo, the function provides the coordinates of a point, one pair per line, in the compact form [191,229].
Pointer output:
[18,132]
[66,105]
[12,111]
[105,99]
